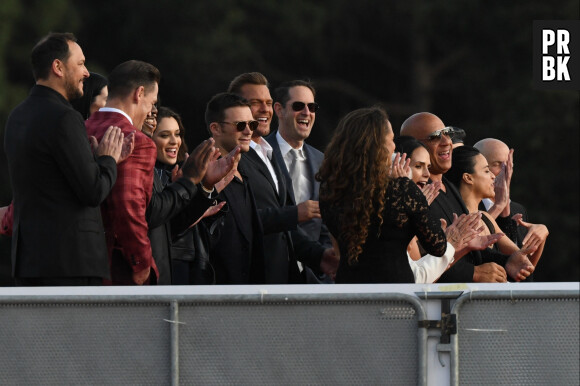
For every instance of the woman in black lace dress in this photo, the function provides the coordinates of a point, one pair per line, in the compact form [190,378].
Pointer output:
[372,216]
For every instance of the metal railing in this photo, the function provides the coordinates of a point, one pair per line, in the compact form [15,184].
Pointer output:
[325,334]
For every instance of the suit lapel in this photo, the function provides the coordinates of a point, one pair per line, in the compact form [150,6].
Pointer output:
[234,203]
[259,165]
[279,160]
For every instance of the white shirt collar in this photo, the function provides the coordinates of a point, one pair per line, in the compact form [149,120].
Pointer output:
[285,147]
[263,147]
[114,110]
[488,203]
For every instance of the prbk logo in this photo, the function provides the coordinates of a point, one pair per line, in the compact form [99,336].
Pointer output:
[557,54]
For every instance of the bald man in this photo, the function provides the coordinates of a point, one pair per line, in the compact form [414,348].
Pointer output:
[500,159]
[476,266]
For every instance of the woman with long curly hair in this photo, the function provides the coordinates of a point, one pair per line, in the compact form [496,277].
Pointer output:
[372,216]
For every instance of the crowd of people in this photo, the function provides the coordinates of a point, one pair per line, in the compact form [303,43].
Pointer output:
[105,191]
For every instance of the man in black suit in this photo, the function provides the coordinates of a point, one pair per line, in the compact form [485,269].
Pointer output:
[284,245]
[58,183]
[237,255]
[299,162]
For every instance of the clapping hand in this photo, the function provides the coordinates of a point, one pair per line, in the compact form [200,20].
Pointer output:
[400,166]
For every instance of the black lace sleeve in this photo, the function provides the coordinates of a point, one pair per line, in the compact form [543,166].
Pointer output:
[427,229]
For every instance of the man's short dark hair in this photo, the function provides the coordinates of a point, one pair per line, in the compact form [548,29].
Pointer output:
[241,80]
[52,46]
[130,75]
[282,92]
[217,105]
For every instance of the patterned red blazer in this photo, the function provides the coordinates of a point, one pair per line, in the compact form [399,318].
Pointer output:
[124,209]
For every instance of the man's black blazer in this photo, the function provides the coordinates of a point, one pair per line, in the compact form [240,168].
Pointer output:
[282,242]
[238,255]
[58,186]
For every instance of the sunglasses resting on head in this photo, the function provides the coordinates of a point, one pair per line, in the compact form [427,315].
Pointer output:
[436,135]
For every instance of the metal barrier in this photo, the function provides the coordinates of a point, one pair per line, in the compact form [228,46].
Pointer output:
[509,338]
[316,335]
[222,339]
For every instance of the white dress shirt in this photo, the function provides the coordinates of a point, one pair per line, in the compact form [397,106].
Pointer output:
[264,151]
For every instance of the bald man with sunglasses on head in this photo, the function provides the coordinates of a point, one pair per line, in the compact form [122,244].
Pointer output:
[481,264]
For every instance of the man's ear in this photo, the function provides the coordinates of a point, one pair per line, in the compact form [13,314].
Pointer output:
[58,68]
[138,94]
[467,178]
[215,129]
[278,109]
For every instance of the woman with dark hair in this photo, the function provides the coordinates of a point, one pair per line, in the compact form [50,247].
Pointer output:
[95,93]
[471,175]
[372,216]
[187,245]
[427,268]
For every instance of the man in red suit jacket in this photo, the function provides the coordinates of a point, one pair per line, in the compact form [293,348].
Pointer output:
[133,88]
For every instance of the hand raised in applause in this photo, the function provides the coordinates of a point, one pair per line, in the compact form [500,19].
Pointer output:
[111,144]
[219,168]
[127,148]
[196,164]
[537,233]
[431,191]
[462,230]
[400,166]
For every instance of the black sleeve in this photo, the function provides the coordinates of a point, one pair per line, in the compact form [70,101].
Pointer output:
[460,272]
[193,211]
[426,227]
[169,202]
[90,178]
[307,251]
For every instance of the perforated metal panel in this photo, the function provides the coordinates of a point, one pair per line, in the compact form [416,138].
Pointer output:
[289,343]
[84,344]
[518,341]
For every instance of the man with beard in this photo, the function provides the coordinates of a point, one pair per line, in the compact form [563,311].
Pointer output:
[58,183]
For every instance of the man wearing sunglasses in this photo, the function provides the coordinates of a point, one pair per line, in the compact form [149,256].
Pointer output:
[296,112]
[280,217]
[237,254]
[478,265]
